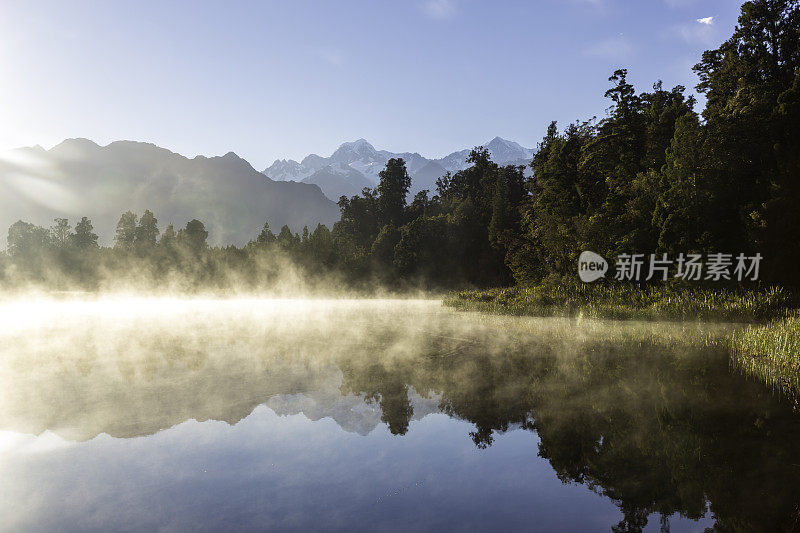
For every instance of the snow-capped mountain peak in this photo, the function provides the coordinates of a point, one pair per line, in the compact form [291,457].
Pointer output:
[359,150]
[356,164]
[504,151]
[286,170]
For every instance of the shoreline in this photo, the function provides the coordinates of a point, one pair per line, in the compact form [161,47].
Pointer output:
[767,346]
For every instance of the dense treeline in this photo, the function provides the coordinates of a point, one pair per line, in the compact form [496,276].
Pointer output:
[452,239]
[144,257]
[652,177]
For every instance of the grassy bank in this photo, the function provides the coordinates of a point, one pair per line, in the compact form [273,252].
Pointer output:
[768,348]
[629,302]
[770,351]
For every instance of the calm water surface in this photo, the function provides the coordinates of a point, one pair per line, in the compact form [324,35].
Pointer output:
[190,415]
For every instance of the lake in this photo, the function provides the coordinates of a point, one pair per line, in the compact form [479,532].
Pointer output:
[290,415]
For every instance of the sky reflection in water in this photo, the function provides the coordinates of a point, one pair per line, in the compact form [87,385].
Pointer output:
[376,414]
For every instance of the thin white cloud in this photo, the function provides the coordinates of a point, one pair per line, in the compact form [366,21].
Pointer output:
[439,9]
[616,48]
[695,33]
[706,20]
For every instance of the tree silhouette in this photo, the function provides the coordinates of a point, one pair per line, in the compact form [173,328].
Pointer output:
[84,236]
[60,233]
[392,191]
[194,236]
[146,233]
[125,235]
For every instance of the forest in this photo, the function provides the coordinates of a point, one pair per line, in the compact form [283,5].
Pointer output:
[653,176]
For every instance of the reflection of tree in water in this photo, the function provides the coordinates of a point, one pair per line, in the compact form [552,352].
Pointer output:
[388,387]
[660,432]
[480,391]
[655,429]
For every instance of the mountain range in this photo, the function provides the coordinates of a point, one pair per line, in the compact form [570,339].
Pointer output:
[355,165]
[80,178]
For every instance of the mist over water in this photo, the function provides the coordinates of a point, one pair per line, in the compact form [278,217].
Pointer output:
[256,413]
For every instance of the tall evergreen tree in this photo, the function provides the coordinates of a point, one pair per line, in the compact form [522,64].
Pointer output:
[392,191]
[266,237]
[84,237]
[146,233]
[125,235]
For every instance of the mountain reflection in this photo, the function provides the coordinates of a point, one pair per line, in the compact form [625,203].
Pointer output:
[648,415]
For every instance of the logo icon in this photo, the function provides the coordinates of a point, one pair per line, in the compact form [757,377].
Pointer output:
[591,266]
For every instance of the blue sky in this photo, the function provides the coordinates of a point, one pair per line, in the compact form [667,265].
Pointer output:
[283,79]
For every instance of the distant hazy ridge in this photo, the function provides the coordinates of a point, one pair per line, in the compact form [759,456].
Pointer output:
[79,178]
